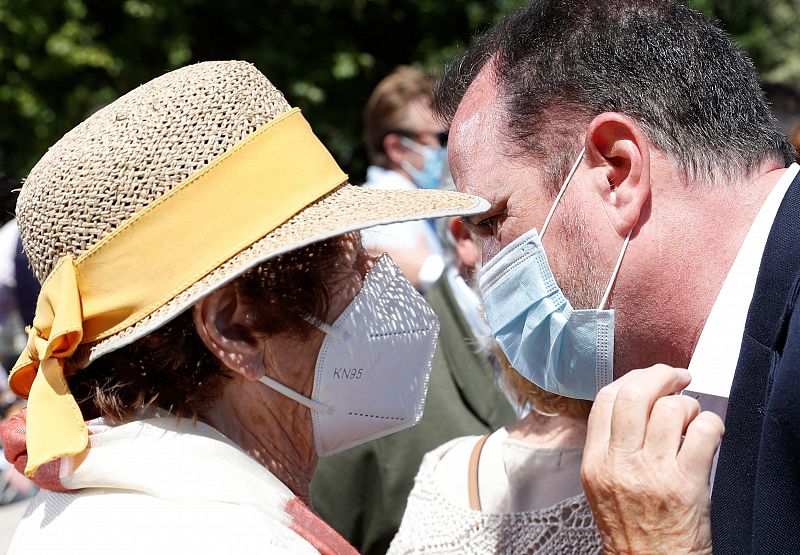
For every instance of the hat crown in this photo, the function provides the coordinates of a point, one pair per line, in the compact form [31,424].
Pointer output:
[130,153]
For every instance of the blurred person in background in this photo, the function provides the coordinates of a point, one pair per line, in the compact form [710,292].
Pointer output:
[795,138]
[362,493]
[785,102]
[9,188]
[406,147]
[517,490]
[13,485]
[12,264]
[213,315]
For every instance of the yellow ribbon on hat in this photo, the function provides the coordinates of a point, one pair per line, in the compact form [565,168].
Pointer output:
[159,252]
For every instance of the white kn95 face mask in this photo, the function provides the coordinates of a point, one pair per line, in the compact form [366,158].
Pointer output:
[372,370]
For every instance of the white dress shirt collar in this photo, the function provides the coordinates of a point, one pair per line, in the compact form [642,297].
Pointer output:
[717,352]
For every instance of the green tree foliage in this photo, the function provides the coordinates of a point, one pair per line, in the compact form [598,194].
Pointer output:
[62,59]
[769,30]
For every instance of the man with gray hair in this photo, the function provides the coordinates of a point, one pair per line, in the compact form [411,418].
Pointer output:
[632,164]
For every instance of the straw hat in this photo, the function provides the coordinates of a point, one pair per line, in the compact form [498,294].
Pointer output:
[134,151]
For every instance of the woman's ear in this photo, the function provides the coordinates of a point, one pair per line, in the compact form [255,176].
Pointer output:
[394,149]
[224,323]
[618,152]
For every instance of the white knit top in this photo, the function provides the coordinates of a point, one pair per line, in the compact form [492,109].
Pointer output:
[436,522]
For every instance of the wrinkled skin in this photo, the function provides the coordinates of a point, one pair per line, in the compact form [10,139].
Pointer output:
[648,487]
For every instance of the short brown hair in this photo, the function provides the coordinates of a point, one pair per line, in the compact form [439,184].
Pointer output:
[171,367]
[387,106]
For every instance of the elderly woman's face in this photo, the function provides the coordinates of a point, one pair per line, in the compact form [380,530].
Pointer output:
[348,275]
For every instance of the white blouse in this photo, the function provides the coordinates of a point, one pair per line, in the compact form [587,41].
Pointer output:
[531,501]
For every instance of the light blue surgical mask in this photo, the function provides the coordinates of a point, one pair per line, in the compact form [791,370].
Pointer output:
[562,350]
[434,158]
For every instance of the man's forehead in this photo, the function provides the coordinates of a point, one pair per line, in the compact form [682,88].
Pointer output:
[475,140]
[482,91]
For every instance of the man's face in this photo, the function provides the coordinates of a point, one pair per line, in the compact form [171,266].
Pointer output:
[521,194]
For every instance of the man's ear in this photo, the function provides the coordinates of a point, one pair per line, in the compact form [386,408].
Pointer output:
[223,322]
[618,152]
[394,149]
[466,249]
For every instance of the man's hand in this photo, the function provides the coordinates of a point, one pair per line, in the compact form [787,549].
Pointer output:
[648,487]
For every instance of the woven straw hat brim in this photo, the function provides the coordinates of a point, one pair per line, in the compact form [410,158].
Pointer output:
[347,208]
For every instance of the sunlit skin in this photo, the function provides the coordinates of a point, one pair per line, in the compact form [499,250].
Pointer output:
[273,429]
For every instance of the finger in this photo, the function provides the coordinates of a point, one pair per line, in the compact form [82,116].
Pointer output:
[697,452]
[598,428]
[669,420]
[638,391]
[599,425]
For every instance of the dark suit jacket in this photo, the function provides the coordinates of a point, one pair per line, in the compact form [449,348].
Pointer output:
[755,506]
[362,492]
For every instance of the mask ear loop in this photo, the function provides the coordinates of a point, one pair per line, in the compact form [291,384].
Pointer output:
[291,393]
[327,329]
[295,396]
[412,145]
[561,192]
[616,271]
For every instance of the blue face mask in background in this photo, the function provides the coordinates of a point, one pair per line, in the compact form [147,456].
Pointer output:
[562,350]
[434,158]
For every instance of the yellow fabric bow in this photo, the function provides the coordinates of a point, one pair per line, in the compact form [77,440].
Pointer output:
[56,333]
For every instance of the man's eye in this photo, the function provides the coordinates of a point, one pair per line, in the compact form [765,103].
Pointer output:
[487,225]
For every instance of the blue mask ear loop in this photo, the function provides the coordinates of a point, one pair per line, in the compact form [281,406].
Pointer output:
[550,216]
[616,270]
[561,192]
[412,145]
[405,164]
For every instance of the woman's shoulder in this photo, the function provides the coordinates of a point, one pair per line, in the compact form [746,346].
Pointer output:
[446,468]
[460,449]
[449,462]
[89,521]
[452,451]
[438,516]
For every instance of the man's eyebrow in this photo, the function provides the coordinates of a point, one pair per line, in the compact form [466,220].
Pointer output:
[471,226]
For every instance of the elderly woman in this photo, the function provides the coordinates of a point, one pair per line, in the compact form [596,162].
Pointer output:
[209,324]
